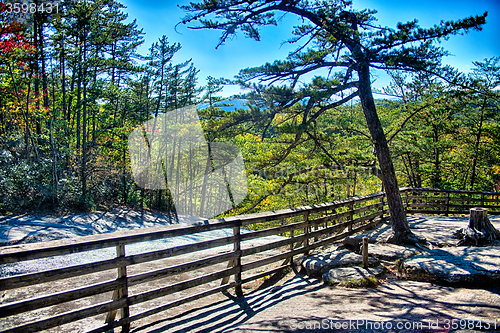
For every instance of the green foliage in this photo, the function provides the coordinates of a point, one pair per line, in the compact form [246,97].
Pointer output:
[68,106]
[445,135]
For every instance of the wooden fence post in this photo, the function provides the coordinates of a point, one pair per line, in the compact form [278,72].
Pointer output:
[306,229]
[414,201]
[316,228]
[365,252]
[292,247]
[405,201]
[237,248]
[351,216]
[236,262]
[447,203]
[382,206]
[121,292]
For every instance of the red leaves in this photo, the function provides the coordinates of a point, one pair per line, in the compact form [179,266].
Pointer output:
[11,44]
[12,39]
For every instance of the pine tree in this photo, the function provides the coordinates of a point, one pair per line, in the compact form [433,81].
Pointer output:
[342,40]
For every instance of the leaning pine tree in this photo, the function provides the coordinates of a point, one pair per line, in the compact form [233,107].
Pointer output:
[346,44]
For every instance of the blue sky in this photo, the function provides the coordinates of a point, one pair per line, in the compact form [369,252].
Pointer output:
[159,18]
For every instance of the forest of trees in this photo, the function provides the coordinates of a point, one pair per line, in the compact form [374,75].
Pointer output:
[73,87]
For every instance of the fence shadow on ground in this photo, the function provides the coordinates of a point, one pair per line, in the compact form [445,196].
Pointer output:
[229,312]
[417,303]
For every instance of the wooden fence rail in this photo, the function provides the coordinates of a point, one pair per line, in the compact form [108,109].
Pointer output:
[29,309]
[438,201]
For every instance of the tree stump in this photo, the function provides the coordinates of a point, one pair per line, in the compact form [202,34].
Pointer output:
[479,231]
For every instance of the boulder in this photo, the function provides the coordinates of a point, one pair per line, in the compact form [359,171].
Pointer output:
[391,252]
[458,265]
[338,275]
[357,240]
[318,264]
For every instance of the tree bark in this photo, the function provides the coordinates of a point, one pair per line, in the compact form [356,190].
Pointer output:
[84,121]
[400,229]
[479,231]
[79,100]
[36,26]
[476,145]
[436,178]
[45,92]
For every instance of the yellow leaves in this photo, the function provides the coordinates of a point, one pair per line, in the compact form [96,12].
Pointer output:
[487,139]
[279,118]
[496,170]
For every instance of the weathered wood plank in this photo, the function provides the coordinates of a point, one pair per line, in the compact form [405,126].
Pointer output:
[10,309]
[164,307]
[263,274]
[270,246]
[286,213]
[431,205]
[16,253]
[347,213]
[341,226]
[149,295]
[445,198]
[272,231]
[329,240]
[437,190]
[121,292]
[423,197]
[266,261]
[69,317]
[24,280]
[461,199]
[424,211]
[270,260]
[182,268]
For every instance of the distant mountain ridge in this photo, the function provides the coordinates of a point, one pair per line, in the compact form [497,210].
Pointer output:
[235,103]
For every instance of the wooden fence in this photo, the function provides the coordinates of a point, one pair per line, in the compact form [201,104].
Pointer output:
[448,202]
[55,297]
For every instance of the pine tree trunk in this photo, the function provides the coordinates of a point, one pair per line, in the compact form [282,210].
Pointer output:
[84,123]
[436,178]
[479,231]
[45,92]
[79,101]
[476,146]
[400,229]
[36,26]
